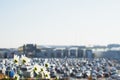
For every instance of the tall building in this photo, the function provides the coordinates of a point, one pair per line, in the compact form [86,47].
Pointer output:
[88,54]
[65,52]
[59,53]
[80,53]
[73,53]
[29,50]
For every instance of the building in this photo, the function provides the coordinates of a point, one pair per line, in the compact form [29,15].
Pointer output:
[80,53]
[29,50]
[65,52]
[88,54]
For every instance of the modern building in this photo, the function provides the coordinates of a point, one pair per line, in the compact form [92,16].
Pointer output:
[29,50]
[88,54]
[65,52]
[80,53]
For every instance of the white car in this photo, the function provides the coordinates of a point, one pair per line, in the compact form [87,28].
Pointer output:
[78,75]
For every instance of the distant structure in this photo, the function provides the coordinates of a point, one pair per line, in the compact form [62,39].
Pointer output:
[88,54]
[6,53]
[96,51]
[36,51]
[29,50]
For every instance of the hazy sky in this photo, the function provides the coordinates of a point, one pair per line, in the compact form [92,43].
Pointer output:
[59,22]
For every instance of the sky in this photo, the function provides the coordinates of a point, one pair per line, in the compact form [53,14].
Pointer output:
[59,22]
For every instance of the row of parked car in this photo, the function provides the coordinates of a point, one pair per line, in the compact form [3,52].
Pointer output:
[73,68]
[82,68]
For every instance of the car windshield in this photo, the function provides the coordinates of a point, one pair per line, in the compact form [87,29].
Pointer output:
[24,69]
